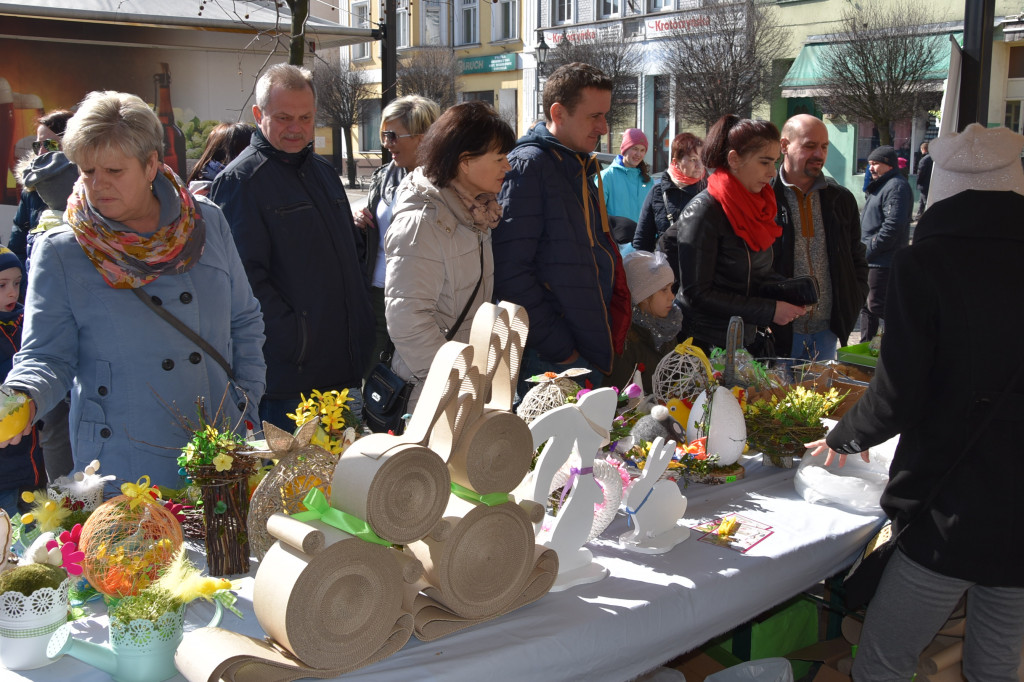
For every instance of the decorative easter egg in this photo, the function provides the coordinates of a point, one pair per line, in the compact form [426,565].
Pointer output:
[13,415]
[720,418]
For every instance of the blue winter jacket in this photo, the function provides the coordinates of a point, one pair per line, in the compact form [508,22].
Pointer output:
[132,376]
[554,255]
[624,189]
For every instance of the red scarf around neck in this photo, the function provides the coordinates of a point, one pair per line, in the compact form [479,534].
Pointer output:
[752,215]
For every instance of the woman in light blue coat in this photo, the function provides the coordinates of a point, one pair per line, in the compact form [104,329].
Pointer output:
[131,224]
[627,182]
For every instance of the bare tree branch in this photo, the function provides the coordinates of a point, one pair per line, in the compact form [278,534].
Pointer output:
[722,57]
[877,64]
[431,72]
[619,60]
[339,92]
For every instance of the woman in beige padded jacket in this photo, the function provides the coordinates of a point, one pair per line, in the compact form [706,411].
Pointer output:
[438,246]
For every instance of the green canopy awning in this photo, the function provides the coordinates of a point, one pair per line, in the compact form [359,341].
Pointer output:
[804,77]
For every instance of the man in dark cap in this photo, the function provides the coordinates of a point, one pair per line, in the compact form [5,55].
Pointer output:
[884,229]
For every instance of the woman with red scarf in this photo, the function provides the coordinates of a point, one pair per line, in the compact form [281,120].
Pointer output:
[725,236]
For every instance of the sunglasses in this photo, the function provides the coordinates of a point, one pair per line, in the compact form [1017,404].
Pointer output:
[41,147]
[389,137]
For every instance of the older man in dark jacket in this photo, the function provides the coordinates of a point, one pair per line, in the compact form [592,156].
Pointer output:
[553,250]
[821,239]
[884,229]
[293,227]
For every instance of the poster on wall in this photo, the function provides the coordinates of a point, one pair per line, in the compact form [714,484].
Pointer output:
[191,92]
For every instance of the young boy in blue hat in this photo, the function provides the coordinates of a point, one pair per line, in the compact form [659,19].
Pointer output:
[21,465]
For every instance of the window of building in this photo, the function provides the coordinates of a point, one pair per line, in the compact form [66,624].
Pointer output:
[369,126]
[505,20]
[562,12]
[360,19]
[611,8]
[468,22]
[660,5]
[1016,63]
[479,96]
[403,24]
[433,22]
[1012,119]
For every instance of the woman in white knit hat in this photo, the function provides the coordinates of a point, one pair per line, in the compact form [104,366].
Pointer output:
[945,384]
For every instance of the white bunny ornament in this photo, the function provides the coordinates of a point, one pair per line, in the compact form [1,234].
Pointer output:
[655,505]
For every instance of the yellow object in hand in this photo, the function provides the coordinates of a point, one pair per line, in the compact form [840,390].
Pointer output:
[728,527]
[13,413]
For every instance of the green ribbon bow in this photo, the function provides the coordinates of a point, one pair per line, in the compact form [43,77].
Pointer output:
[490,499]
[319,508]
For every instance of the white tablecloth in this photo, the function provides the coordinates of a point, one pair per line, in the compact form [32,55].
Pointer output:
[648,610]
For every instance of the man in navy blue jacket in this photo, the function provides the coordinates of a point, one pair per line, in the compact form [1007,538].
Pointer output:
[553,250]
[884,229]
[293,227]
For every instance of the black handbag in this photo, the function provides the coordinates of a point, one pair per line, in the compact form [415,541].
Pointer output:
[385,394]
[801,290]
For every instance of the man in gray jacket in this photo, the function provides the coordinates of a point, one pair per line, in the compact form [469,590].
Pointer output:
[884,229]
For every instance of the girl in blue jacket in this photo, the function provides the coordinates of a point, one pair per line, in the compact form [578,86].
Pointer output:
[628,180]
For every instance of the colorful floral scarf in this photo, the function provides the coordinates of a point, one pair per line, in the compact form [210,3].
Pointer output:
[484,208]
[752,216]
[128,260]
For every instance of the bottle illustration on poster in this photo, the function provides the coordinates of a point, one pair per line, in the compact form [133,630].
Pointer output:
[174,139]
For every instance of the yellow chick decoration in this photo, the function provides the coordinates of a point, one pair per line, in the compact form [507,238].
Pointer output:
[185,582]
[679,410]
[47,514]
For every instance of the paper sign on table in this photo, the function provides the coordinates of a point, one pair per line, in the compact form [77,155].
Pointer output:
[747,534]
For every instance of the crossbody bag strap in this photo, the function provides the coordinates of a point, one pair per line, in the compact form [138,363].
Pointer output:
[450,334]
[186,331]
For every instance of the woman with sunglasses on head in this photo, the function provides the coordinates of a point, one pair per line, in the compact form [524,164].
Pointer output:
[439,259]
[49,130]
[403,124]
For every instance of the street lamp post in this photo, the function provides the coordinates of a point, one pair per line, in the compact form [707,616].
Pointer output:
[541,52]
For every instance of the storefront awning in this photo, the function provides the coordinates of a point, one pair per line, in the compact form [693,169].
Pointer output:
[804,77]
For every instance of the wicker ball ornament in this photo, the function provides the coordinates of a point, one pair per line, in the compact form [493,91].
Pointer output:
[683,373]
[552,390]
[301,467]
[125,548]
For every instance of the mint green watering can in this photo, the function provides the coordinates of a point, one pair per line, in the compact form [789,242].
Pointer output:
[142,651]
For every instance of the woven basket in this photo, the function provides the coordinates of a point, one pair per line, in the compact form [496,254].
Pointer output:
[227,533]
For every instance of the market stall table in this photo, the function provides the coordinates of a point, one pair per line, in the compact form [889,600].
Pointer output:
[650,608]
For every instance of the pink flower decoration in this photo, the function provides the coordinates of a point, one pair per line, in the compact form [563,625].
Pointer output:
[74,535]
[73,558]
[633,391]
[177,510]
[583,392]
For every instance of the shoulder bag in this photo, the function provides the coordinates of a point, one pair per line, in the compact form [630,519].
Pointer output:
[385,394]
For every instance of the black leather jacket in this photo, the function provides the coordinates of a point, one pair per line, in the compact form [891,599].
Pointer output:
[719,275]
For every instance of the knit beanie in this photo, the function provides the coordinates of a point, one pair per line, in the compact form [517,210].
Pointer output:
[52,176]
[632,136]
[9,260]
[978,158]
[646,273]
[885,154]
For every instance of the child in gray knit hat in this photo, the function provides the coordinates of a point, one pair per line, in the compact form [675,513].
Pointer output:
[656,320]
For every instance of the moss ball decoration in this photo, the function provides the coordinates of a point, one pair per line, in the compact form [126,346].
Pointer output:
[125,546]
[28,579]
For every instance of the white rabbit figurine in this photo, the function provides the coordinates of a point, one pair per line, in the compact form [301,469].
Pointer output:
[655,506]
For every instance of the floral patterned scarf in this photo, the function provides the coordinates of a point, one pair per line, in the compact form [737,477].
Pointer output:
[128,260]
[484,208]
